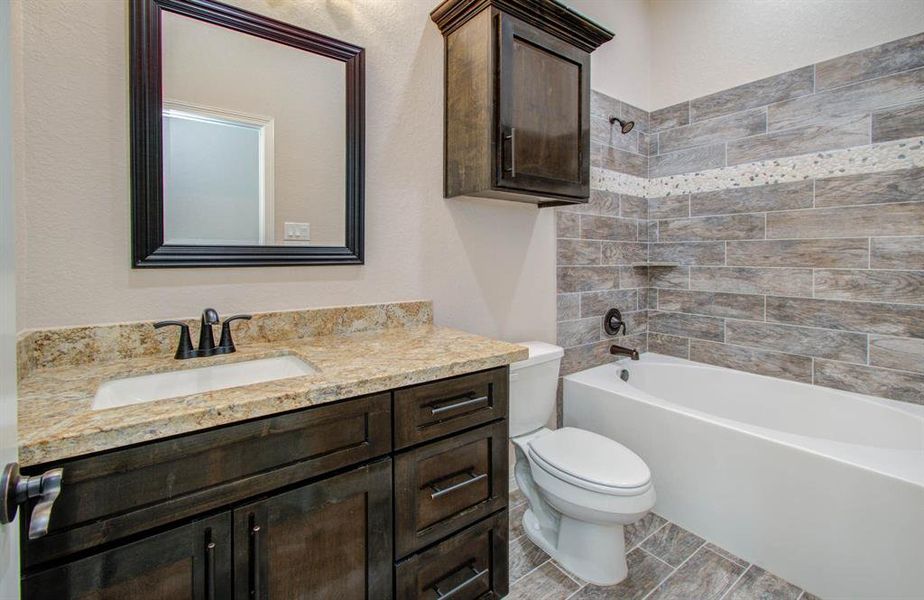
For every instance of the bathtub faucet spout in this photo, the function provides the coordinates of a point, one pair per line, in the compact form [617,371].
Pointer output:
[620,351]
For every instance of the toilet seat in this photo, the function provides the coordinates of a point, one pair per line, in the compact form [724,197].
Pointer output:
[590,461]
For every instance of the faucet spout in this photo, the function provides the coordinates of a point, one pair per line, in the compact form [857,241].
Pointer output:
[206,337]
[621,351]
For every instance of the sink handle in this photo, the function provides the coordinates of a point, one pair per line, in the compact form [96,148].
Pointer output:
[19,489]
[226,343]
[184,348]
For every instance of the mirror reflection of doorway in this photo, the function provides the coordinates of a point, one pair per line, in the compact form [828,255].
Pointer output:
[218,176]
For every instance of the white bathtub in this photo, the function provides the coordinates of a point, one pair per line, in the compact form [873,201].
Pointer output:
[822,487]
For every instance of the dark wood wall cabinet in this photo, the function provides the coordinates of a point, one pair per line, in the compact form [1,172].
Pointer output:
[399,495]
[517,99]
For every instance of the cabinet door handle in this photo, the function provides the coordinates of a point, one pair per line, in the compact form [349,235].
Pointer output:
[476,575]
[438,491]
[210,571]
[255,562]
[467,402]
[512,136]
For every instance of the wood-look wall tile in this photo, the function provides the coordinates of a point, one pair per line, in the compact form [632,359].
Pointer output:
[633,277]
[669,344]
[753,280]
[567,224]
[705,575]
[605,133]
[670,116]
[713,131]
[682,325]
[603,106]
[843,133]
[762,92]
[807,341]
[898,123]
[713,304]
[892,57]
[636,324]
[906,354]
[726,227]
[677,278]
[577,333]
[601,202]
[588,356]
[838,252]
[779,196]
[871,286]
[752,360]
[568,307]
[636,114]
[897,253]
[595,304]
[594,227]
[647,144]
[891,319]
[578,252]
[624,253]
[688,253]
[669,207]
[903,185]
[633,207]
[885,383]
[606,157]
[647,298]
[758,584]
[849,221]
[701,158]
[587,279]
[848,101]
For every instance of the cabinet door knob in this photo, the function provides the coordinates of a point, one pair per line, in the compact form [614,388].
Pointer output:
[16,489]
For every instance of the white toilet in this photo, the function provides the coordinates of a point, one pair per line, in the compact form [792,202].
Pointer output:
[582,488]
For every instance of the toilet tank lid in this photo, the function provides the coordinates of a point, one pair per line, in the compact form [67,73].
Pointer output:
[539,352]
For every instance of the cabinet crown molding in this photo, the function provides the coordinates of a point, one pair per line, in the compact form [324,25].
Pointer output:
[548,15]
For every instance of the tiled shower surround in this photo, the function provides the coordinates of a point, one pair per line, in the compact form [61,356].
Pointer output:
[776,227]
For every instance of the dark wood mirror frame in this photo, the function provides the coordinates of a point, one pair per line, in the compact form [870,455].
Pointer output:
[148,248]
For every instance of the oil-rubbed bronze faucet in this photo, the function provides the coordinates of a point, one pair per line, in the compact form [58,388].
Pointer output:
[620,351]
[207,345]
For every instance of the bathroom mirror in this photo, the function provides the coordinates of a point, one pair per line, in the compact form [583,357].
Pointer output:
[247,140]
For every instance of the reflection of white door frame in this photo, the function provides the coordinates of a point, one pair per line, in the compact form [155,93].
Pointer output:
[267,144]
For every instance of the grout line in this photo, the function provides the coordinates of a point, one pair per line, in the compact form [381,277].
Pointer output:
[732,586]
[645,539]
[672,573]
[652,555]
[531,571]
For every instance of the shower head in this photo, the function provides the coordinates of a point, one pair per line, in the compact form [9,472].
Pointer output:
[625,126]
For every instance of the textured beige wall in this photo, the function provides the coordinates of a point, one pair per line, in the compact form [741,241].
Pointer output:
[487,265]
[699,47]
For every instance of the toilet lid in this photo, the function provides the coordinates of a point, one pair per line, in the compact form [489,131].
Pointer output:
[583,457]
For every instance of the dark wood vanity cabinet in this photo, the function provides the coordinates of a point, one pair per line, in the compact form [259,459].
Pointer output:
[318,503]
[517,106]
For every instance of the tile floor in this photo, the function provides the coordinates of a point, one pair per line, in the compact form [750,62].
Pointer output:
[666,562]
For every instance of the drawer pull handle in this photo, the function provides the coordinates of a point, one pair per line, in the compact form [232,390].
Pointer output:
[463,403]
[438,491]
[476,575]
[255,562]
[210,571]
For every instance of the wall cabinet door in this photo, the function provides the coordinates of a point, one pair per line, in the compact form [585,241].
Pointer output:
[192,562]
[327,540]
[543,136]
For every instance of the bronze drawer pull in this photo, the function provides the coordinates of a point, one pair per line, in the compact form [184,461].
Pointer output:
[512,136]
[210,571]
[438,491]
[255,562]
[476,575]
[467,402]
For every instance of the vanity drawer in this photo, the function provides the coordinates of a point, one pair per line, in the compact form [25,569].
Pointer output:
[113,495]
[471,564]
[432,410]
[448,484]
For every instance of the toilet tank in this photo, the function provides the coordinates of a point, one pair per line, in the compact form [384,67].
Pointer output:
[533,387]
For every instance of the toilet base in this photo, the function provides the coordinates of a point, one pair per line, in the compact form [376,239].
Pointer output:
[595,553]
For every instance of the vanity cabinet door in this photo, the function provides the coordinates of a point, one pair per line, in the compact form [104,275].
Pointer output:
[192,562]
[331,539]
[543,140]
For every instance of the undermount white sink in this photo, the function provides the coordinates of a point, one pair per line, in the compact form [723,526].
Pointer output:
[174,384]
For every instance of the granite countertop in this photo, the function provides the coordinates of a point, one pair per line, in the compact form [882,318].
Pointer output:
[56,420]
